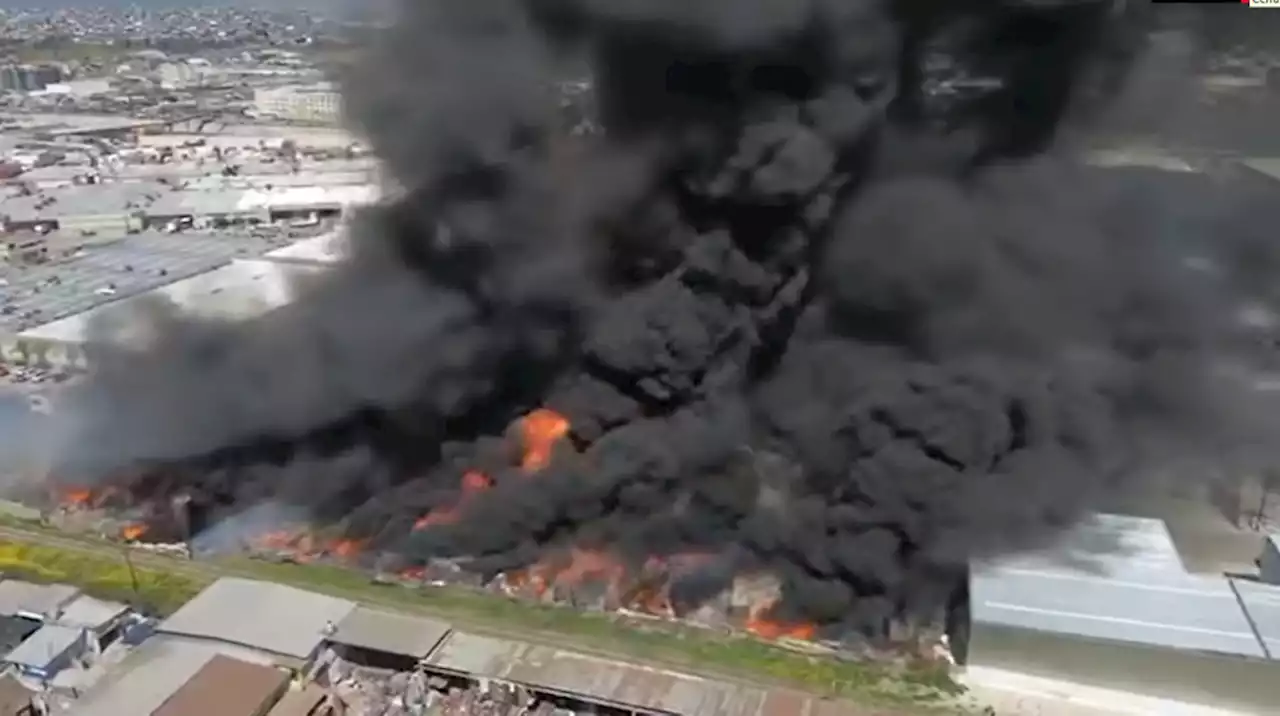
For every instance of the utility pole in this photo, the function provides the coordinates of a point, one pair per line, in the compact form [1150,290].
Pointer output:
[133,573]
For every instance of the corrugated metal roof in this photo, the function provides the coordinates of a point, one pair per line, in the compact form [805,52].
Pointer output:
[1261,603]
[46,645]
[240,289]
[226,687]
[596,679]
[272,617]
[45,600]
[152,673]
[1117,579]
[91,613]
[391,633]
[299,703]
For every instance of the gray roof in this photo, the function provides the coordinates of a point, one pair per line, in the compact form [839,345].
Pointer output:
[156,259]
[38,599]
[1116,579]
[1268,167]
[610,682]
[89,200]
[151,674]
[198,203]
[91,613]
[263,615]
[46,645]
[391,633]
[1261,603]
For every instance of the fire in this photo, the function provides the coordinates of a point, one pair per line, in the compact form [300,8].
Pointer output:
[303,547]
[345,548]
[77,496]
[539,433]
[473,482]
[762,623]
[133,531]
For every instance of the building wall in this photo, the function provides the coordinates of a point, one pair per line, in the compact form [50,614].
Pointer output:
[1209,679]
[101,223]
[300,103]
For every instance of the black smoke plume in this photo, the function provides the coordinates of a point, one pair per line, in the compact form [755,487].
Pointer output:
[807,302]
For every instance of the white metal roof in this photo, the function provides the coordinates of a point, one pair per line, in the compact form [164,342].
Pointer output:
[1118,579]
[327,249]
[91,613]
[44,600]
[46,645]
[1261,603]
[263,615]
[238,290]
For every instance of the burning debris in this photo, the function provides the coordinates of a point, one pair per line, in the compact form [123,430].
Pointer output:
[779,312]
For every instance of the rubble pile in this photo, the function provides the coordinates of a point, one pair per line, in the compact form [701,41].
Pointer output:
[363,691]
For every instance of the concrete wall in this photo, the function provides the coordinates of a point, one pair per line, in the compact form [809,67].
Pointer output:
[1210,679]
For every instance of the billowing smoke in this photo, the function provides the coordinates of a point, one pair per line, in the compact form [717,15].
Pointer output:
[806,306]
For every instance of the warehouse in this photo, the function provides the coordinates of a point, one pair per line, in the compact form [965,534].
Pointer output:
[283,622]
[88,209]
[238,290]
[153,673]
[1112,606]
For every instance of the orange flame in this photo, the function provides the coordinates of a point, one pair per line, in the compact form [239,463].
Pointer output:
[539,433]
[77,496]
[761,623]
[345,548]
[473,482]
[133,531]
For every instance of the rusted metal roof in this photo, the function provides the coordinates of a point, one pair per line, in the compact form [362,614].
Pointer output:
[612,682]
[226,687]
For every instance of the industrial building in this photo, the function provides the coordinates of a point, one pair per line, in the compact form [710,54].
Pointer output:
[319,102]
[121,207]
[242,289]
[288,624]
[326,249]
[1112,606]
[250,648]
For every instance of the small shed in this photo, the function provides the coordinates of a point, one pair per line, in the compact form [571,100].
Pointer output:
[48,651]
[103,618]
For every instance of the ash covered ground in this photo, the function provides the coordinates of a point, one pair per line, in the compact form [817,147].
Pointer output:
[785,309]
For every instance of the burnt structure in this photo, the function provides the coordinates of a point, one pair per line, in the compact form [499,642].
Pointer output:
[793,314]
